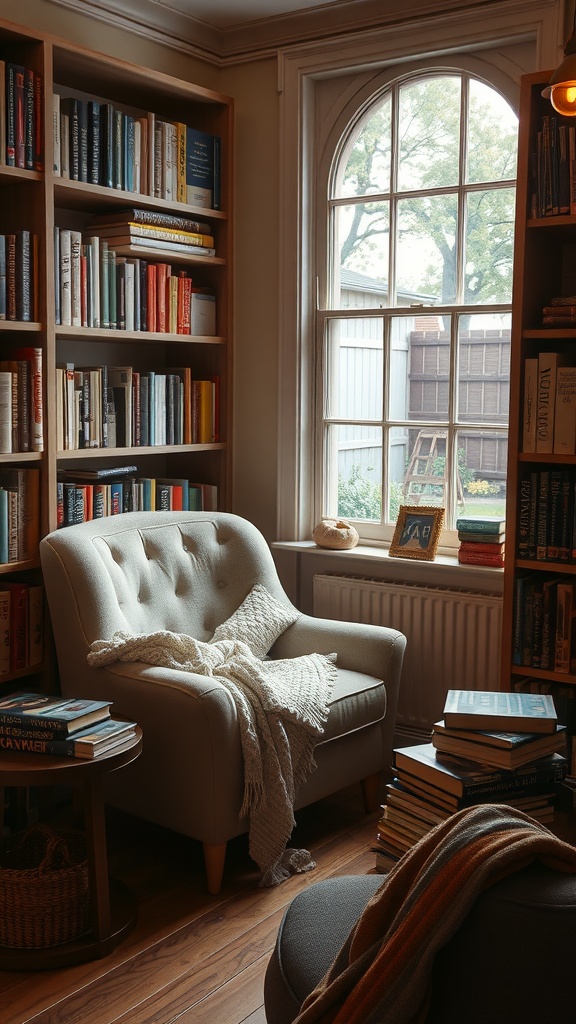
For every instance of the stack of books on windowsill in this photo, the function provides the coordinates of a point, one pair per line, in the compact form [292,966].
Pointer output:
[36,723]
[482,540]
[472,760]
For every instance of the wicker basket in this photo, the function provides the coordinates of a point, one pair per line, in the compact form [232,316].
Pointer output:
[44,888]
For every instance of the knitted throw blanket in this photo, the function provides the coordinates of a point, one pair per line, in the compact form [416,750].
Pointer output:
[382,972]
[282,707]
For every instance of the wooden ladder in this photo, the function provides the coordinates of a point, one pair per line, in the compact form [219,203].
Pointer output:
[420,472]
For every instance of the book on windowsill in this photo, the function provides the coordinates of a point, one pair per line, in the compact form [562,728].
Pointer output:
[468,557]
[98,739]
[55,717]
[498,749]
[493,709]
[467,537]
[481,524]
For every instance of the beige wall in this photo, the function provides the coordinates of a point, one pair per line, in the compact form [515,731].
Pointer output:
[254,88]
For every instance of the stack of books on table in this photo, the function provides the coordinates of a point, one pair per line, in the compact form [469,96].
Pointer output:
[36,723]
[481,540]
[471,759]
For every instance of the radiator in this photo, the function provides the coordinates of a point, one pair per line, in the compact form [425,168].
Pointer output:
[453,638]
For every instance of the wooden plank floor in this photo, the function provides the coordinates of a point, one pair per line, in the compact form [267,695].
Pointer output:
[192,958]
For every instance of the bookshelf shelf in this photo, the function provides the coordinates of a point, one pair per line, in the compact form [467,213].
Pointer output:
[541,482]
[42,200]
[80,454]
[18,326]
[87,334]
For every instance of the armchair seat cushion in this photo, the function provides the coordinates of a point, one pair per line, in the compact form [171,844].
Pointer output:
[357,700]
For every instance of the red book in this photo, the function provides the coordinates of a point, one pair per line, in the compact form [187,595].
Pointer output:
[481,547]
[161,292]
[151,281]
[496,561]
[184,293]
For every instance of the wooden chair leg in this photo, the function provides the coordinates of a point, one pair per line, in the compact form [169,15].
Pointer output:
[214,857]
[371,792]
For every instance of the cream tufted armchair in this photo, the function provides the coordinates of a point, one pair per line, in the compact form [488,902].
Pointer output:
[187,572]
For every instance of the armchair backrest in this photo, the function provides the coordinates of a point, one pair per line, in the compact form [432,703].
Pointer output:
[146,571]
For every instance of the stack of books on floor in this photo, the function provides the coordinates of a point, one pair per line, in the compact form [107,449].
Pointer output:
[472,760]
[36,723]
[481,540]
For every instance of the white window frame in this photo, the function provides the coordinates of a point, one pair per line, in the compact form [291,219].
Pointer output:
[454,40]
[336,153]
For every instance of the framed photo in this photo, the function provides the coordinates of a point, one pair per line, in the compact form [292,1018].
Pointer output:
[417,532]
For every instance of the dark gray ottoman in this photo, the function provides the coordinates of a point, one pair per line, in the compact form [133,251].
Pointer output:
[512,960]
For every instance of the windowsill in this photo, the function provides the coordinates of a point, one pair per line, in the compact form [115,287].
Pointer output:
[366,560]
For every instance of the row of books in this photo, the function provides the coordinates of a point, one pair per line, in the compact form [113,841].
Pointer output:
[19,276]
[482,540]
[19,514]
[37,723]
[546,527]
[553,171]
[82,498]
[120,407]
[96,286]
[544,623]
[431,783]
[549,408]
[21,117]
[21,401]
[99,143]
[21,626]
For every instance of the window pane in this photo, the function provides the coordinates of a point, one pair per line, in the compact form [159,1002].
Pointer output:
[355,356]
[426,261]
[419,369]
[366,161]
[489,246]
[484,368]
[354,472]
[492,135]
[396,468]
[429,133]
[361,237]
[423,480]
[482,472]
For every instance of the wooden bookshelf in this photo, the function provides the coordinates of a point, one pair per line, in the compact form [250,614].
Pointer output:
[41,200]
[538,275]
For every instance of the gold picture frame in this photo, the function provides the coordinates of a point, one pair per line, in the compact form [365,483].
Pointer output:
[417,532]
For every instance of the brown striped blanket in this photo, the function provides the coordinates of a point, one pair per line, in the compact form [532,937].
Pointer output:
[382,972]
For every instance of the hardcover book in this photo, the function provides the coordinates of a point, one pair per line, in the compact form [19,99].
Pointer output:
[498,749]
[493,709]
[481,524]
[470,780]
[58,716]
[85,743]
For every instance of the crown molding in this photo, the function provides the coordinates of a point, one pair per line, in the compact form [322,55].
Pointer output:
[167,24]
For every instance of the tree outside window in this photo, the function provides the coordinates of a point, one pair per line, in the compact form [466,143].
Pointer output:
[415,339]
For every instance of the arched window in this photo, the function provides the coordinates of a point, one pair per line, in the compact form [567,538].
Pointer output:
[414,342]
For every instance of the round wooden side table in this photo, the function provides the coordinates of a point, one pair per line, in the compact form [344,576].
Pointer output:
[112,907]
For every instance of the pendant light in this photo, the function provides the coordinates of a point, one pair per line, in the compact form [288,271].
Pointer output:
[561,89]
